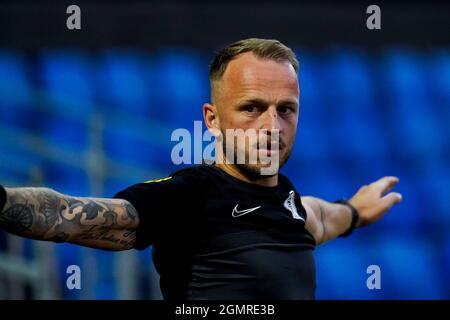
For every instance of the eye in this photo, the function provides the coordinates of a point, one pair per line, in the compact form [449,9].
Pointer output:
[251,108]
[286,110]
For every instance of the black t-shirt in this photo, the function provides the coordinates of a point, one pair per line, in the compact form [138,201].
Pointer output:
[217,237]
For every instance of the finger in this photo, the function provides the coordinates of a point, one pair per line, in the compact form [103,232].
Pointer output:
[385,184]
[390,199]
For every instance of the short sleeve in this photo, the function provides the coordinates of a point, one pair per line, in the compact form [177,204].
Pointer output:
[164,206]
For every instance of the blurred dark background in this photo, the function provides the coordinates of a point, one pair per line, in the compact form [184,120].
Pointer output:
[89,112]
[205,24]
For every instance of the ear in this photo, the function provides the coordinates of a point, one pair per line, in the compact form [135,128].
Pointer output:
[211,118]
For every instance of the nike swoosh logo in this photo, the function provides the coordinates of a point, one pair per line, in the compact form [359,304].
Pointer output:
[236,213]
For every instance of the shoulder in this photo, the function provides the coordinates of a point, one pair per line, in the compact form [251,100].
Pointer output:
[285,183]
[200,171]
[198,175]
[191,176]
[188,179]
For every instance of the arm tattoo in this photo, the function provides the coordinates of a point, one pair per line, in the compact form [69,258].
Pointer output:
[44,214]
[17,219]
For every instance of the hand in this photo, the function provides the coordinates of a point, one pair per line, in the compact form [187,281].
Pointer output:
[372,202]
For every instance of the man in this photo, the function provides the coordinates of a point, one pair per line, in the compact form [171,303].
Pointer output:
[221,231]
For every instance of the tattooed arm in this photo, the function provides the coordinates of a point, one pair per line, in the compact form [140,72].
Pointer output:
[326,221]
[44,214]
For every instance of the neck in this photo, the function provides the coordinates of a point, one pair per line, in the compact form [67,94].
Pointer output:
[232,170]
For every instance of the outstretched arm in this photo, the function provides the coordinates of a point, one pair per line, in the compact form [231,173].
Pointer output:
[44,214]
[326,220]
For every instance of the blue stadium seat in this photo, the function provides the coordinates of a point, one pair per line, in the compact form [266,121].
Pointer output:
[105,286]
[357,131]
[15,90]
[312,144]
[441,73]
[122,83]
[66,179]
[67,82]
[441,83]
[129,146]
[17,164]
[435,195]
[313,133]
[319,179]
[408,266]
[341,271]
[413,114]
[71,134]
[179,86]
[67,78]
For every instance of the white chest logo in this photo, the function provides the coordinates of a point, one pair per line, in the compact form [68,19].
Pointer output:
[237,213]
[289,204]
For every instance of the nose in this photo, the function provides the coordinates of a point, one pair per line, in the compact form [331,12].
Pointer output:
[271,121]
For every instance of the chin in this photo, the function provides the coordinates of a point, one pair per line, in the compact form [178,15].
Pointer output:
[256,170]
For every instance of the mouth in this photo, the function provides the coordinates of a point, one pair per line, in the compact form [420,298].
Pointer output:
[271,146]
[269,151]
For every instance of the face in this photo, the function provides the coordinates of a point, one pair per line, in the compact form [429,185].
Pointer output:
[258,95]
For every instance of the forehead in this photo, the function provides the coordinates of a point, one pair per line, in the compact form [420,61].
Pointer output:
[249,75]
